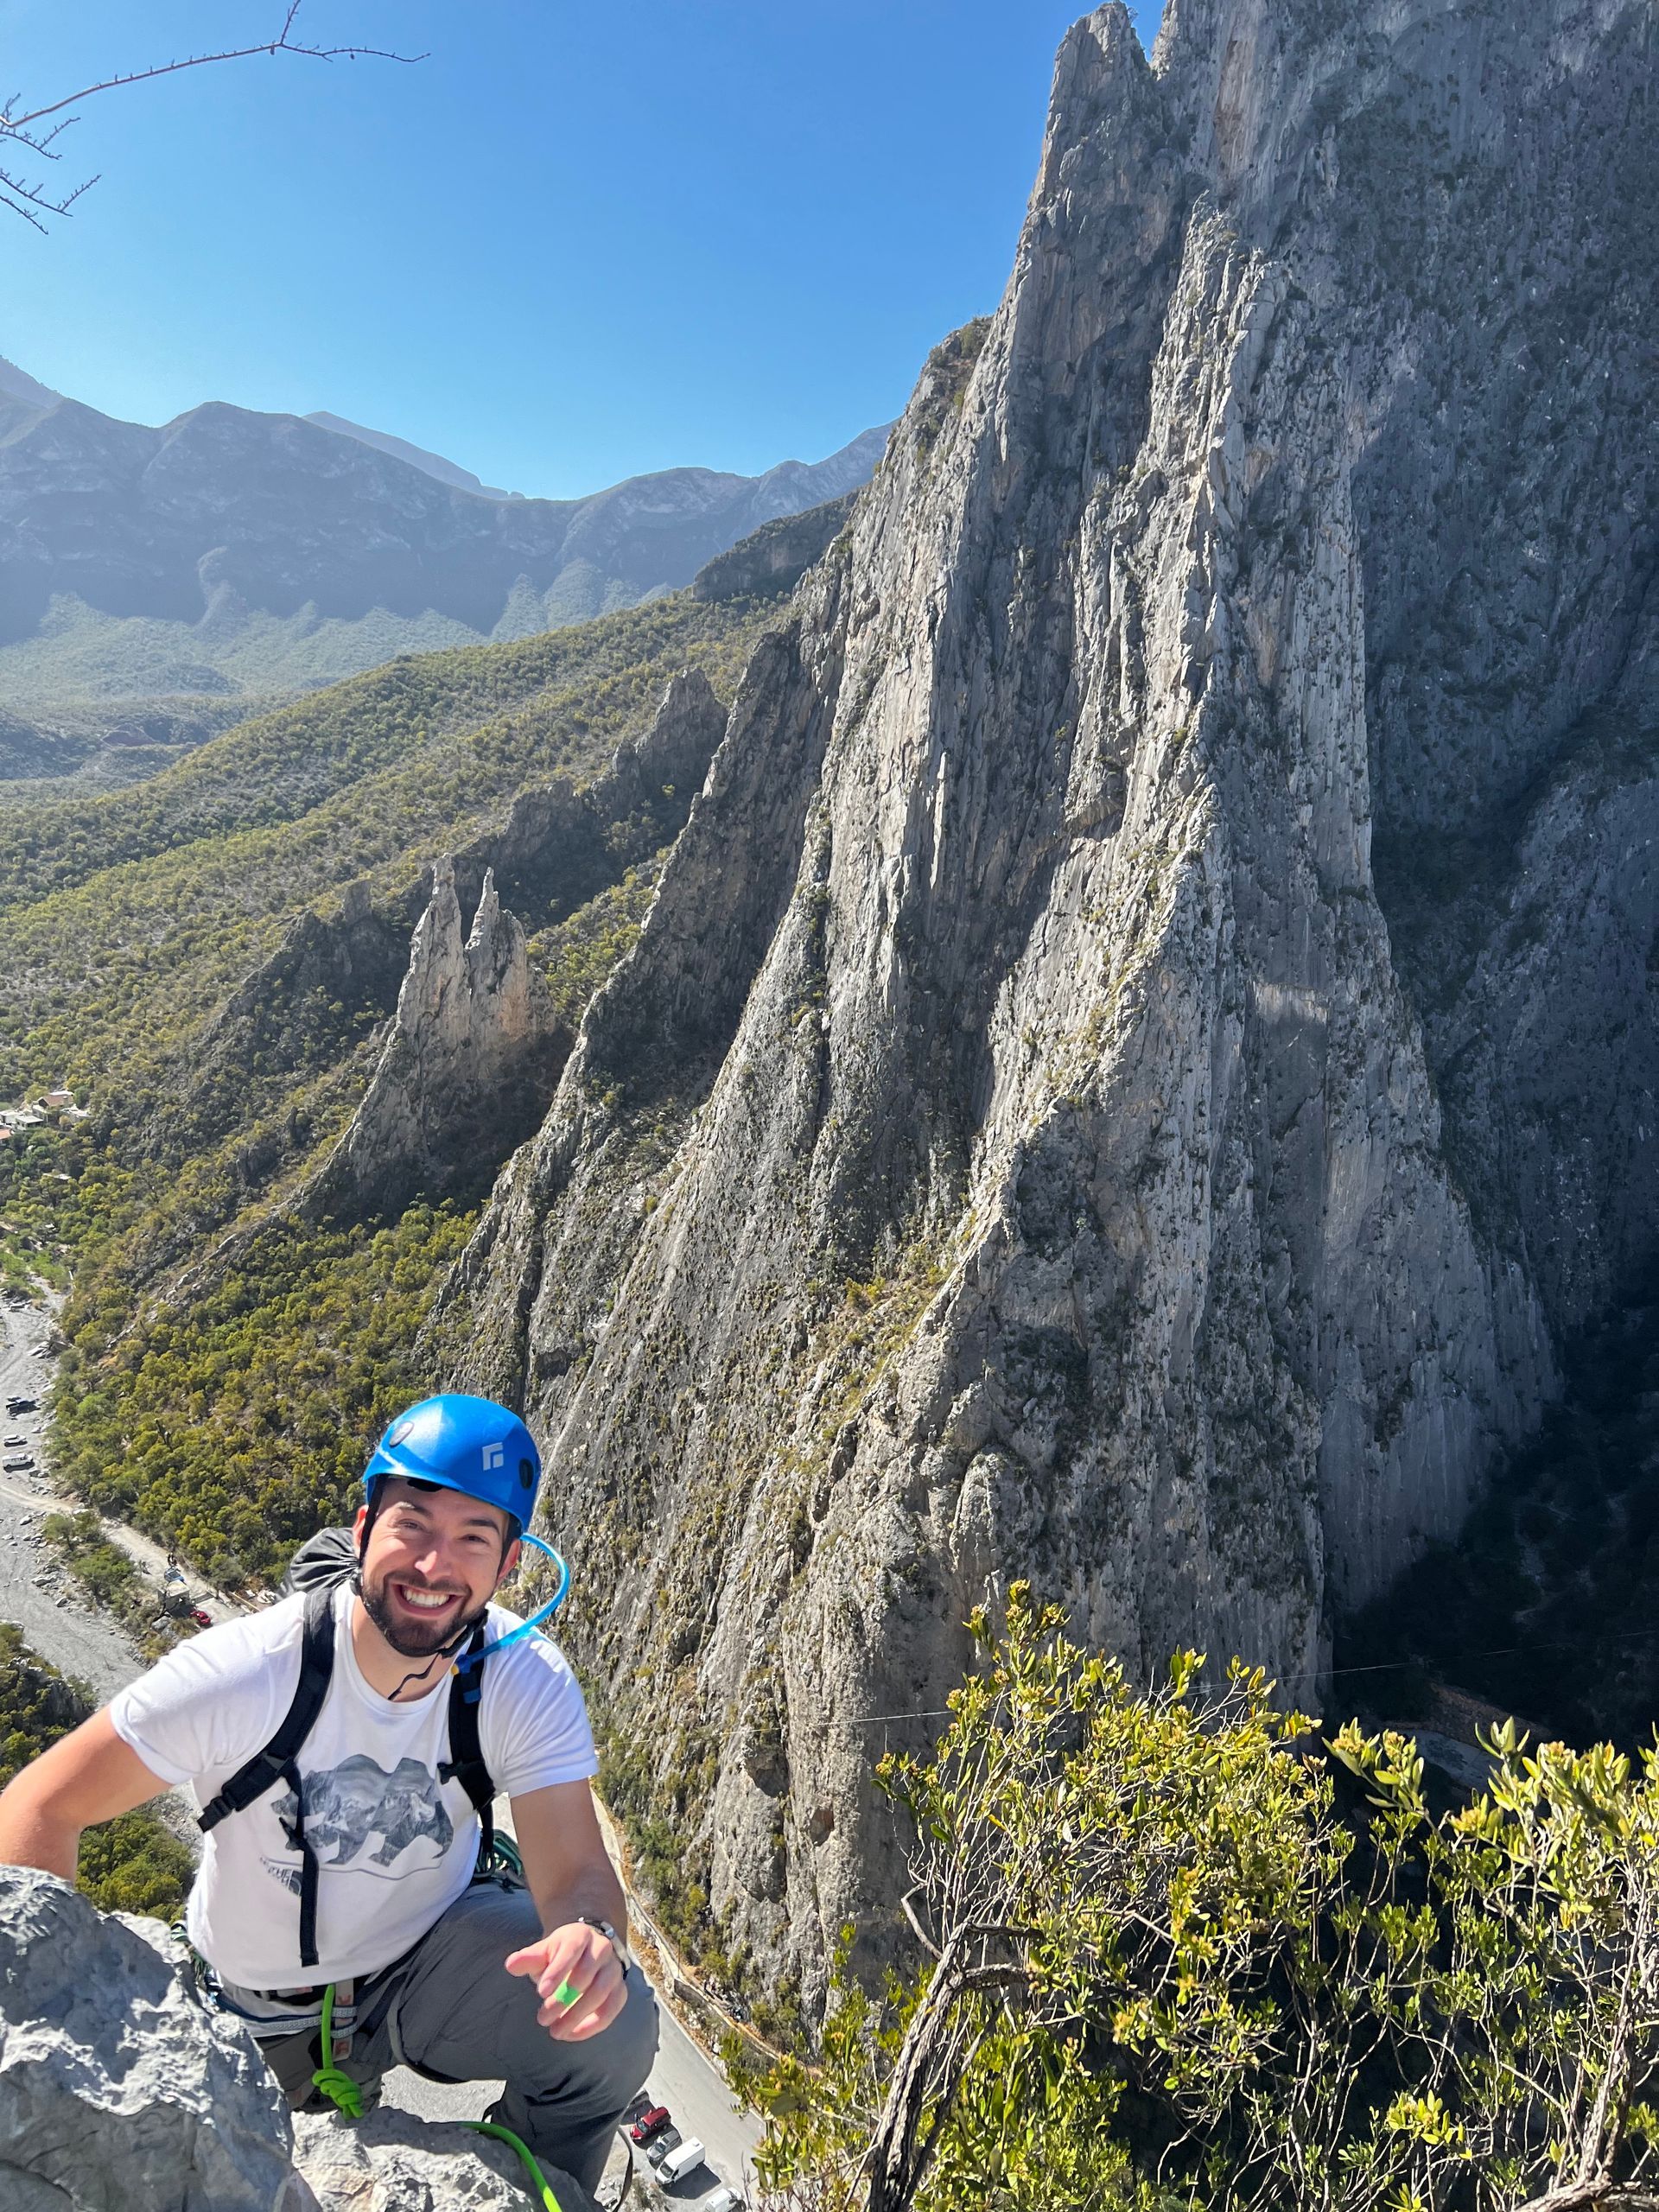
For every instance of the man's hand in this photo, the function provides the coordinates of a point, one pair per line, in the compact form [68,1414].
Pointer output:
[579,1979]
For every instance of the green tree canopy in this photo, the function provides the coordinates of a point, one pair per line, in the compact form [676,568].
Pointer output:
[1174,1947]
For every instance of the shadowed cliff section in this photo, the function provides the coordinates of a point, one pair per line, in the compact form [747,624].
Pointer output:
[775,557]
[1014,1146]
[468,1067]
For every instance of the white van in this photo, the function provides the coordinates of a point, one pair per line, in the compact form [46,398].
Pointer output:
[683,2159]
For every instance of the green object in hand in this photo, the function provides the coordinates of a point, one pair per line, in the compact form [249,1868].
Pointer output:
[565,1995]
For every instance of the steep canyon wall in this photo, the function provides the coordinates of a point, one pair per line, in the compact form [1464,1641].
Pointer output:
[1034,1133]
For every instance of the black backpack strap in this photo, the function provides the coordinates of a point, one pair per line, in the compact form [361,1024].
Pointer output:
[277,1762]
[465,1763]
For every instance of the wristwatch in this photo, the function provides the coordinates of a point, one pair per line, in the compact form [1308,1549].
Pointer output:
[588,1920]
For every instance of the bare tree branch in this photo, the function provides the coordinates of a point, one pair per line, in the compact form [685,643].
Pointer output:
[16,122]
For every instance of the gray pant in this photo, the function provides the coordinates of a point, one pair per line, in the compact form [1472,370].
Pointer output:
[450,2009]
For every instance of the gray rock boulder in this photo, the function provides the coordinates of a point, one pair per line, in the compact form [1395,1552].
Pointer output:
[118,2091]
[391,2162]
[121,2091]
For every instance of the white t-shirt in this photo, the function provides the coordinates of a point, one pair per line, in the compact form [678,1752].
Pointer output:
[395,1847]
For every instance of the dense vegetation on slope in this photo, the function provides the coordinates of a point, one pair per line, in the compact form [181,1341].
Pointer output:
[210,960]
[1179,1950]
[125,917]
[232,1426]
[133,1865]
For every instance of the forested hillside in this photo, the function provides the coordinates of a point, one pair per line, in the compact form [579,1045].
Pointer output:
[209,962]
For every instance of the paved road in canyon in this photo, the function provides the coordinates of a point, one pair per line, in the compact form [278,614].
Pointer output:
[73,1635]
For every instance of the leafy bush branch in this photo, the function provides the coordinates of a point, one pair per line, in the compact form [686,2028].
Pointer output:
[1175,1949]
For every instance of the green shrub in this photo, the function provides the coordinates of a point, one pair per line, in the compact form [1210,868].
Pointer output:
[1175,1940]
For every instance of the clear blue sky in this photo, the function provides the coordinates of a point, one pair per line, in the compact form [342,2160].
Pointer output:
[579,241]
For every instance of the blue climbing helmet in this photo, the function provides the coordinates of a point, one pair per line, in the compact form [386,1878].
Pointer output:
[461,1443]
[476,1446]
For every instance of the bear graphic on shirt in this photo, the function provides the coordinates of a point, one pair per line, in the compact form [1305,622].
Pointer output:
[345,1805]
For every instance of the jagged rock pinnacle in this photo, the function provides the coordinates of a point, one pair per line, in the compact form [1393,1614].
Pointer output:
[471,1037]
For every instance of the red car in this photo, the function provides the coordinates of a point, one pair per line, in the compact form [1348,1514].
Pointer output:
[650,2125]
[201,1619]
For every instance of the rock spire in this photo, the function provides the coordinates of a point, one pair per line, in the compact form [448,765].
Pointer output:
[468,1063]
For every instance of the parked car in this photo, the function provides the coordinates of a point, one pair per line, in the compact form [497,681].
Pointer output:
[685,2158]
[668,2141]
[650,2124]
[201,1619]
[724,2199]
[8,1441]
[17,1466]
[21,1405]
[38,1351]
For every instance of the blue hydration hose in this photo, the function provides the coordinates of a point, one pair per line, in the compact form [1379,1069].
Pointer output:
[544,1613]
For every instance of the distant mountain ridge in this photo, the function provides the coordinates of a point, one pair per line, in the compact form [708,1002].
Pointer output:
[232,554]
[432,464]
[17,384]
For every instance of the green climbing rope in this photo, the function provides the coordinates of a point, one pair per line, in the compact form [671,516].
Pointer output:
[542,2192]
[337,2086]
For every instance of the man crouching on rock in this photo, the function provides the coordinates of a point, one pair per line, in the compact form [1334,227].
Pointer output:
[339,1758]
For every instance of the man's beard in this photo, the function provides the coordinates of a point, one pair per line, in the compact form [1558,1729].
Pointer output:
[407,1638]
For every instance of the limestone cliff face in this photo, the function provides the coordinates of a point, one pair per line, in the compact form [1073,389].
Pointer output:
[1025,1140]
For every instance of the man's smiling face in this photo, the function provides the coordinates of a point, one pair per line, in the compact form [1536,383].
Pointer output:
[433,1561]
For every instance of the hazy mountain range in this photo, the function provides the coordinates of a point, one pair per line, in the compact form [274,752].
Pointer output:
[155,582]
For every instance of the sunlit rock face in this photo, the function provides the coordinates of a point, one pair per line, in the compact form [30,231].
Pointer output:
[1143,1045]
